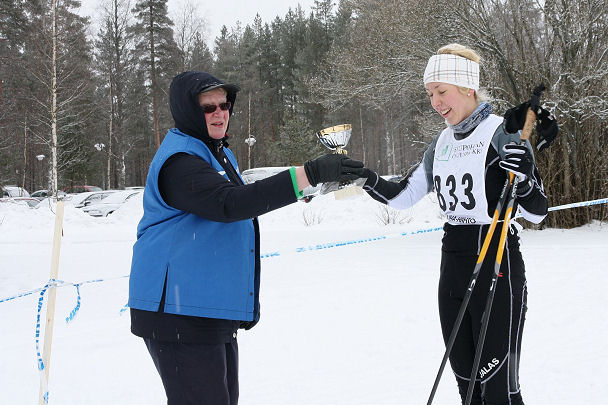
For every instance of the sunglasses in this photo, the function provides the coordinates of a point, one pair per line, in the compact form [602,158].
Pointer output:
[211,108]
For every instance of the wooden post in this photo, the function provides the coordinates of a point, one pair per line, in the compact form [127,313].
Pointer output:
[50,308]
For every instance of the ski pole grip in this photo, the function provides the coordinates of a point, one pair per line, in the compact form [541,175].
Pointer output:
[528,125]
[531,114]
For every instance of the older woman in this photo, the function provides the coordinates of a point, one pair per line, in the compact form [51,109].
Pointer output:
[466,165]
[195,274]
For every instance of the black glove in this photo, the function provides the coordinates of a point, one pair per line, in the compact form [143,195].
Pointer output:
[516,117]
[370,175]
[331,167]
[518,160]
[546,128]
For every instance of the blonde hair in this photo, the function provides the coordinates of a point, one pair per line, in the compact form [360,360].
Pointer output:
[460,50]
[468,53]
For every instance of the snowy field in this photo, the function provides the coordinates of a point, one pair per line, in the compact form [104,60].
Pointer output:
[354,324]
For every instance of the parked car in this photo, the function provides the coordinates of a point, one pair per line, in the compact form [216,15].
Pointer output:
[42,194]
[29,201]
[14,191]
[81,189]
[110,204]
[93,198]
[251,175]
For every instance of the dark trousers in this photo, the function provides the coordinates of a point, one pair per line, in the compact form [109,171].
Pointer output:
[497,380]
[197,374]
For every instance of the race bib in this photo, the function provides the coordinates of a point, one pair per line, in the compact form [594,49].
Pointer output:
[459,169]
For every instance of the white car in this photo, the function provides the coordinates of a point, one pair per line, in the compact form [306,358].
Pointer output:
[110,204]
[14,191]
[251,175]
[93,198]
[25,201]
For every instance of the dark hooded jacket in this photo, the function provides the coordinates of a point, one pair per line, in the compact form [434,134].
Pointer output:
[183,100]
[190,184]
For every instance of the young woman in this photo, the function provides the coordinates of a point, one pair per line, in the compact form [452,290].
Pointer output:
[466,165]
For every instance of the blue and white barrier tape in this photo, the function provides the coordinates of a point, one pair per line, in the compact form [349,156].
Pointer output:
[357,241]
[580,204]
[68,319]
[41,365]
[573,205]
[58,284]
[416,232]
[309,248]
[73,312]
[329,245]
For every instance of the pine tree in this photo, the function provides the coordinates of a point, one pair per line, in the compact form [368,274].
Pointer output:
[158,55]
[297,143]
[13,25]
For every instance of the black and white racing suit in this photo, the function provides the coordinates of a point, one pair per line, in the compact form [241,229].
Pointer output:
[464,173]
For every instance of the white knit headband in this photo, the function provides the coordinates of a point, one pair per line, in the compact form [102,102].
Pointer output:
[452,69]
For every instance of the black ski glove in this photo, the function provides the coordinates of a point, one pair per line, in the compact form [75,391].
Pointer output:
[332,167]
[371,176]
[516,117]
[518,160]
[546,128]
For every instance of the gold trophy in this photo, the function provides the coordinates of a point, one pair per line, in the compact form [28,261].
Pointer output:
[336,138]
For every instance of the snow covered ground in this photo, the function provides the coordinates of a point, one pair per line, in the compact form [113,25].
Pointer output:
[353,324]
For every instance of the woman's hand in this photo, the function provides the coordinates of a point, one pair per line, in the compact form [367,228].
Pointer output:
[518,160]
[332,167]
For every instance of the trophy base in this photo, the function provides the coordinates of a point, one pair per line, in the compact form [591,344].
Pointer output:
[344,191]
[348,192]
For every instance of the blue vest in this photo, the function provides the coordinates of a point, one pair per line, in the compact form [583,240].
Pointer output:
[209,266]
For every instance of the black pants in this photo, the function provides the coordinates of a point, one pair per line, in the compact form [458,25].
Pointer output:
[497,379]
[197,374]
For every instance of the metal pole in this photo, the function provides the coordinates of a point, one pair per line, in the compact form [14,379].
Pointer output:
[249,134]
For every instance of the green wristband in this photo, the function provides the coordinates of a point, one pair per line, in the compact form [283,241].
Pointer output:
[294,182]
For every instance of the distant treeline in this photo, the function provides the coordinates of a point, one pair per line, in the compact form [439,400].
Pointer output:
[348,61]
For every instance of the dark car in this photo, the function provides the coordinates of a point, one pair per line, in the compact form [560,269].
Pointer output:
[81,189]
[42,194]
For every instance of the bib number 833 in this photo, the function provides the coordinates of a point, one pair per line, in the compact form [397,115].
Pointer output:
[465,189]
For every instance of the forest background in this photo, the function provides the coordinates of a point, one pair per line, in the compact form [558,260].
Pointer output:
[94,104]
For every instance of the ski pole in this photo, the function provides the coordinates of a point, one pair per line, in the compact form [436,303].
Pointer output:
[485,319]
[512,179]
[469,292]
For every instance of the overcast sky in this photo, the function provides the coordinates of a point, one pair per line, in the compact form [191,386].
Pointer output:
[218,13]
